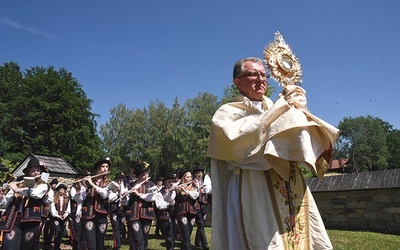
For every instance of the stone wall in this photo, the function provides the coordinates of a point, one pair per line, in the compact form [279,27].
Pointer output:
[375,210]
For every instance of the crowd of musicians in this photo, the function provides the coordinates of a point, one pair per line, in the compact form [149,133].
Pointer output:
[37,216]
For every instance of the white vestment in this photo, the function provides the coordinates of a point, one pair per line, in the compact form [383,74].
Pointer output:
[253,153]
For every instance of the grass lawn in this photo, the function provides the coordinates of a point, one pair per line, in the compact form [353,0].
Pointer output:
[341,240]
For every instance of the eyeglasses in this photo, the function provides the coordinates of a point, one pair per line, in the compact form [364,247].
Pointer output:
[254,75]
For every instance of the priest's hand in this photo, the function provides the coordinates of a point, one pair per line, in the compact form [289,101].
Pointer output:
[296,96]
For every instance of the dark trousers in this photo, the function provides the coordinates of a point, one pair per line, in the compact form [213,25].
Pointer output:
[57,231]
[46,232]
[95,231]
[158,222]
[22,236]
[167,229]
[138,233]
[186,222]
[116,219]
[201,239]
[76,234]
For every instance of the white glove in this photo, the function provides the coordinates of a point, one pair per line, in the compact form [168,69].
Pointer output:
[295,95]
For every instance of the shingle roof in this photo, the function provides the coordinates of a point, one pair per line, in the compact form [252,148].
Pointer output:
[389,178]
[55,164]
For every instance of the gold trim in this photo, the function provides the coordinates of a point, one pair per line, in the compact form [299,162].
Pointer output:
[283,65]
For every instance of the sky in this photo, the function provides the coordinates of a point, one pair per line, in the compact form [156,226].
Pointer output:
[136,52]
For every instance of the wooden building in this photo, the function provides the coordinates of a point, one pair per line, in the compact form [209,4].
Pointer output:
[57,166]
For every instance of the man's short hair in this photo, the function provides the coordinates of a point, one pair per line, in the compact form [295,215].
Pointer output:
[238,67]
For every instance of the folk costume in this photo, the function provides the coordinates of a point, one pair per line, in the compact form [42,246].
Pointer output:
[139,209]
[46,224]
[260,200]
[20,223]
[77,193]
[204,187]
[59,210]
[186,208]
[165,200]
[159,183]
[95,208]
[116,212]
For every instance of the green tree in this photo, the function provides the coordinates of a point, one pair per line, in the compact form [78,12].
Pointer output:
[49,113]
[123,137]
[196,130]
[393,144]
[364,141]
[10,85]
[167,138]
[158,138]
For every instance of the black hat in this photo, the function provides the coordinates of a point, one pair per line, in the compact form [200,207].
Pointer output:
[198,169]
[119,176]
[100,162]
[141,167]
[183,172]
[54,181]
[33,162]
[157,179]
[133,164]
[61,185]
[170,176]
[83,173]
[3,168]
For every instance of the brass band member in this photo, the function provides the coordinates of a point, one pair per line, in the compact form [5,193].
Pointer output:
[20,222]
[59,209]
[77,192]
[95,206]
[139,209]
[204,188]
[186,207]
[165,201]
[116,213]
[46,216]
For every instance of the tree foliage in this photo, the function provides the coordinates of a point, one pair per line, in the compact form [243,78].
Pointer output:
[46,111]
[167,138]
[369,143]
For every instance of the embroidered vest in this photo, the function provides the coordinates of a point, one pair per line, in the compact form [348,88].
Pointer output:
[61,210]
[138,208]
[9,216]
[32,212]
[184,204]
[93,204]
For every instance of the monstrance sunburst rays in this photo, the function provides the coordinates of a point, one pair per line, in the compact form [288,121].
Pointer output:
[283,65]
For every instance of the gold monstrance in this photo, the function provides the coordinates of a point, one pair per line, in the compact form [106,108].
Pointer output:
[283,65]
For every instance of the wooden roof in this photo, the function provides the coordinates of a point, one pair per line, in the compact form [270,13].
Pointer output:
[389,178]
[57,166]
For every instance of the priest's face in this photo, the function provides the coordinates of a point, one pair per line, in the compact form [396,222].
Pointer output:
[252,81]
